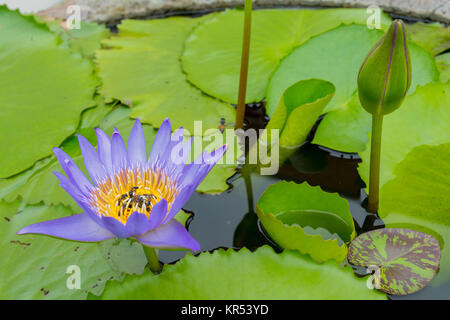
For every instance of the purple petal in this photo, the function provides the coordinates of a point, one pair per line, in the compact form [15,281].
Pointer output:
[215,156]
[194,173]
[175,139]
[180,201]
[179,154]
[161,142]
[170,236]
[136,146]
[74,173]
[69,187]
[104,148]
[119,152]
[79,227]
[91,160]
[116,227]
[79,198]
[137,224]
[158,213]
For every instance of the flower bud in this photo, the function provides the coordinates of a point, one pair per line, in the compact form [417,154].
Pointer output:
[385,75]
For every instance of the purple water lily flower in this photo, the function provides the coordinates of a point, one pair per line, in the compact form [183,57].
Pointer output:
[130,195]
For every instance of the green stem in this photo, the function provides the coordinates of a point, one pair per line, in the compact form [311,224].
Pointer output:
[375,153]
[246,174]
[240,112]
[152,258]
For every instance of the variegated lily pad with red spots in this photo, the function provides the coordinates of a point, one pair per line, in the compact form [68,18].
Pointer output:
[405,260]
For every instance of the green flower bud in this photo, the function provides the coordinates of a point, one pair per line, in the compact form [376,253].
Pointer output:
[385,75]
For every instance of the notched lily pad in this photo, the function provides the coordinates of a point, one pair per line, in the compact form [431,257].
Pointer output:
[406,260]
[307,219]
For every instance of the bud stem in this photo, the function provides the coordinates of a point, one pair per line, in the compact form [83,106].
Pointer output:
[375,153]
[152,258]
[240,112]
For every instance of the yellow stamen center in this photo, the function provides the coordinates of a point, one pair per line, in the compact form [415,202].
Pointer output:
[132,191]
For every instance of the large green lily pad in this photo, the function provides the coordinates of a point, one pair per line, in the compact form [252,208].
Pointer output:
[404,260]
[44,89]
[226,274]
[307,219]
[141,67]
[212,54]
[418,198]
[422,119]
[34,267]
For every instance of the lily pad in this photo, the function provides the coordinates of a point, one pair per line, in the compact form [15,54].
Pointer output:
[434,37]
[59,85]
[298,110]
[423,119]
[307,219]
[266,275]
[141,67]
[34,267]
[418,197]
[212,52]
[405,260]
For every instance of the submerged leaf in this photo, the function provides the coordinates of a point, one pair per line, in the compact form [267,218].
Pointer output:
[44,89]
[244,275]
[307,219]
[405,260]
